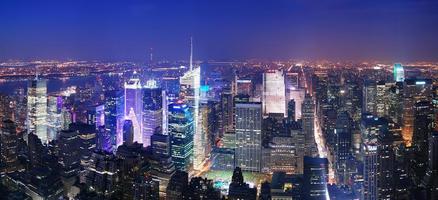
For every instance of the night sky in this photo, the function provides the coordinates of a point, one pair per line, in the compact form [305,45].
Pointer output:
[391,30]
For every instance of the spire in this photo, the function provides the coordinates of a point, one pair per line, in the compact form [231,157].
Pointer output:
[191,53]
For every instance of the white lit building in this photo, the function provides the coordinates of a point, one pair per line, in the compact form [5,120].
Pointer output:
[274,92]
[37,109]
[133,109]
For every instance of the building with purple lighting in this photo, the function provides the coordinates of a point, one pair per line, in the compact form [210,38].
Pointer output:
[134,105]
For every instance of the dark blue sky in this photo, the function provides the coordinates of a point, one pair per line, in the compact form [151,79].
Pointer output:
[393,30]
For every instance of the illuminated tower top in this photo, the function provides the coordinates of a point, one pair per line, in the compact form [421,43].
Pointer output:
[399,72]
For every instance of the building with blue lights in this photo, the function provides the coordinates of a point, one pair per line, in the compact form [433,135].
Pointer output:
[181,131]
[399,72]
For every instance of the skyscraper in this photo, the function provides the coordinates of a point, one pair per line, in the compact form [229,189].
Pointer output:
[308,125]
[128,132]
[248,116]
[369,97]
[371,128]
[37,108]
[315,178]
[103,142]
[274,92]
[414,90]
[152,111]
[54,116]
[190,84]
[134,106]
[8,147]
[399,72]
[181,131]
[291,110]
[343,149]
[431,178]
[381,99]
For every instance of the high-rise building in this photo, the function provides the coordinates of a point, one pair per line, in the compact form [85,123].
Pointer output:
[414,90]
[103,142]
[87,136]
[386,168]
[162,165]
[315,178]
[190,85]
[114,112]
[54,116]
[134,106]
[282,157]
[369,97]
[8,147]
[399,72]
[274,92]
[238,189]
[69,157]
[343,134]
[152,110]
[128,132]
[102,173]
[291,110]
[178,186]
[37,108]
[248,116]
[431,178]
[181,131]
[308,125]
[298,96]
[371,128]
[226,113]
[381,99]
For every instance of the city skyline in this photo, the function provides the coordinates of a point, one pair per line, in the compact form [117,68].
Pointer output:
[219,100]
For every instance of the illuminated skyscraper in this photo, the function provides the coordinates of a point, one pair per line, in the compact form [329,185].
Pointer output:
[181,131]
[274,92]
[54,117]
[414,90]
[431,179]
[371,128]
[190,84]
[248,117]
[369,97]
[8,147]
[152,110]
[37,108]
[315,178]
[134,106]
[308,124]
[381,99]
[399,72]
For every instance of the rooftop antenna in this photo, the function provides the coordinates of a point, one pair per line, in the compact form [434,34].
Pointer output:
[191,53]
[151,55]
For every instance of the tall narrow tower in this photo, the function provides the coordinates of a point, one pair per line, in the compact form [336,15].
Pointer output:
[37,108]
[134,106]
[190,84]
